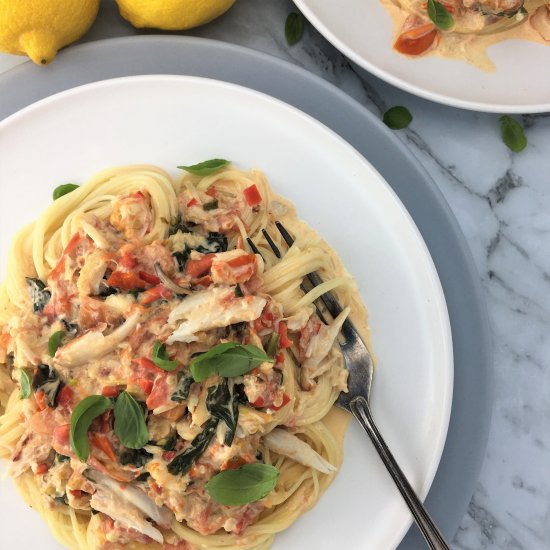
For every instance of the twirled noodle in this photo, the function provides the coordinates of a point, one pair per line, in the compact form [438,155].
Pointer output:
[71,272]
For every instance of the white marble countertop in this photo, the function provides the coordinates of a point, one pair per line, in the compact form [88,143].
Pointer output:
[502,203]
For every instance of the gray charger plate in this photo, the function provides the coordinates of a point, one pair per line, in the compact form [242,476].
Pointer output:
[472,399]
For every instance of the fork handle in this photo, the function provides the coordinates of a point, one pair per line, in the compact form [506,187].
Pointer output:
[361,410]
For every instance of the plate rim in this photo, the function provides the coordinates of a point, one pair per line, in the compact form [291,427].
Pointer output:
[441,312]
[144,54]
[414,89]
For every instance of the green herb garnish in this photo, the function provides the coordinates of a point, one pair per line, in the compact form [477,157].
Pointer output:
[228,360]
[238,291]
[249,483]
[64,189]
[212,205]
[397,117]
[440,15]
[130,424]
[55,341]
[206,167]
[512,134]
[25,383]
[82,416]
[182,462]
[161,359]
[272,345]
[294,28]
[222,404]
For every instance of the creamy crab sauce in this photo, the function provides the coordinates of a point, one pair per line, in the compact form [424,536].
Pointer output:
[465,47]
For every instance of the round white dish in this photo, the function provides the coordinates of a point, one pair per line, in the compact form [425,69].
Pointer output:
[363,31]
[171,120]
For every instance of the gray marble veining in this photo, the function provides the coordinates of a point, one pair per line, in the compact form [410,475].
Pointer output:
[502,203]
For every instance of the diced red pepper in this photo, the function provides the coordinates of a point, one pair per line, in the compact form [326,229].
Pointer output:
[284,341]
[192,202]
[259,402]
[212,192]
[61,434]
[417,40]
[159,292]
[149,278]
[147,364]
[125,280]
[279,358]
[205,281]
[110,391]
[101,441]
[128,260]
[285,401]
[65,396]
[252,195]
[75,492]
[41,469]
[234,463]
[145,385]
[156,488]
[41,399]
[167,456]
[198,268]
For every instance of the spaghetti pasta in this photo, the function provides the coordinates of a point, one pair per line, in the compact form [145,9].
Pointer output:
[136,302]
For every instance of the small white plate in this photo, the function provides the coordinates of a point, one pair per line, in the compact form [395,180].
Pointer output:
[363,31]
[171,120]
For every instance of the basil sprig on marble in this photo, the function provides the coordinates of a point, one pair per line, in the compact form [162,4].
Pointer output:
[227,360]
[249,483]
[440,15]
[512,134]
[206,167]
[130,424]
[161,359]
[82,416]
[64,189]
[397,117]
[25,383]
[294,28]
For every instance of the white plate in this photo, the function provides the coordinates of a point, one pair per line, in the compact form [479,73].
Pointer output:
[363,31]
[171,120]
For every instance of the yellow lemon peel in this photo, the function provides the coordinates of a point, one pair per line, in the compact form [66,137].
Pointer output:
[172,15]
[40,28]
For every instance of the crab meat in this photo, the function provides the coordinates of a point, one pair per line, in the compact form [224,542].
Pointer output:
[284,443]
[318,348]
[213,308]
[95,344]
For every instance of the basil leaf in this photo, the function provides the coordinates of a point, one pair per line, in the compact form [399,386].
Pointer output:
[55,341]
[81,418]
[294,28]
[161,359]
[130,425]
[64,189]
[249,483]
[272,345]
[228,360]
[181,393]
[181,463]
[397,118]
[25,383]
[222,404]
[512,134]
[440,15]
[47,380]
[206,167]
[212,205]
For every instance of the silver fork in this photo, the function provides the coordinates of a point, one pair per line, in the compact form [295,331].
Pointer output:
[360,367]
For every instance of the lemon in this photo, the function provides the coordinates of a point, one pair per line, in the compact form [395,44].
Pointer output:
[172,15]
[39,28]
